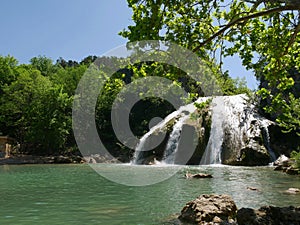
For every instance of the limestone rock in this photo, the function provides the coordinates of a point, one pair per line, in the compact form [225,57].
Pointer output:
[229,130]
[282,160]
[207,209]
[285,164]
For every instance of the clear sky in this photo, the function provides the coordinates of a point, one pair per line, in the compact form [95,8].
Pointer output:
[71,29]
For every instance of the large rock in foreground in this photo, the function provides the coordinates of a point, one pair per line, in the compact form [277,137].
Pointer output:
[221,209]
[269,215]
[209,208]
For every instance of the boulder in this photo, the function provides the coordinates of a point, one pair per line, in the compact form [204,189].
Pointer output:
[269,215]
[206,209]
[284,164]
[282,161]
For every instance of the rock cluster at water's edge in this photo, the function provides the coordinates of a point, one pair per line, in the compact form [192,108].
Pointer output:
[221,210]
[284,164]
[269,215]
[31,159]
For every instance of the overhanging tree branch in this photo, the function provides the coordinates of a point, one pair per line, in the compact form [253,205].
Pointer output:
[244,19]
[292,40]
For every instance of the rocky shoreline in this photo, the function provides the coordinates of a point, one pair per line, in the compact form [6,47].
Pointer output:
[285,165]
[222,210]
[32,159]
[19,159]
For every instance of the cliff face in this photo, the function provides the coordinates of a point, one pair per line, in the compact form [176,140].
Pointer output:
[226,129]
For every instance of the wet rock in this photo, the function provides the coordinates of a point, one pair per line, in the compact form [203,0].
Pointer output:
[205,209]
[198,175]
[293,191]
[62,159]
[269,215]
[285,164]
[282,161]
[239,135]
[245,134]
[291,170]
[252,189]
[97,158]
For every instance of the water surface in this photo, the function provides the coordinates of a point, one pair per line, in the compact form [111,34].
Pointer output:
[76,194]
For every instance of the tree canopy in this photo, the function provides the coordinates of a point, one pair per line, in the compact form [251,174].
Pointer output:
[36,103]
[264,33]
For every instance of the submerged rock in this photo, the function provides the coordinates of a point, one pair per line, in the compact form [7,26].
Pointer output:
[209,208]
[269,215]
[252,189]
[198,175]
[293,191]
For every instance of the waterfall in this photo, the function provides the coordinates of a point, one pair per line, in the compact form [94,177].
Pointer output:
[212,154]
[236,131]
[173,142]
[138,154]
[266,137]
[182,113]
[141,146]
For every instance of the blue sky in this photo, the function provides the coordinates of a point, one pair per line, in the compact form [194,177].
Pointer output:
[71,29]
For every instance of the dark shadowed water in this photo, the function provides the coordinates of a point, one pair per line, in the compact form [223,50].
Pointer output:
[76,194]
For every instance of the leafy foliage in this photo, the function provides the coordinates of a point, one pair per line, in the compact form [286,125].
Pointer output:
[35,103]
[295,156]
[263,33]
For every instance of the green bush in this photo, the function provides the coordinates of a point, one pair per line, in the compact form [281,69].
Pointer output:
[295,156]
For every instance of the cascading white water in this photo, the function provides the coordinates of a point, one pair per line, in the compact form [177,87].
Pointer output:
[181,112]
[239,119]
[266,136]
[212,154]
[235,127]
[140,148]
[173,142]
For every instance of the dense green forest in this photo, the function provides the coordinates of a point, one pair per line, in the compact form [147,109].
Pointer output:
[36,101]
[36,98]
